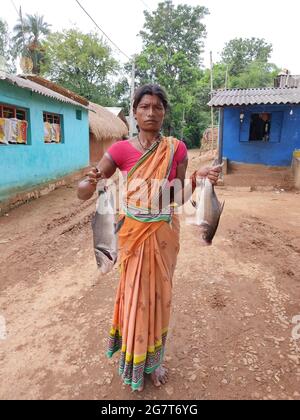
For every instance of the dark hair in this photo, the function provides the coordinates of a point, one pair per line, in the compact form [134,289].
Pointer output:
[151,90]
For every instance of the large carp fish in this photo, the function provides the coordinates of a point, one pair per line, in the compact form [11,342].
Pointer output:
[208,211]
[104,231]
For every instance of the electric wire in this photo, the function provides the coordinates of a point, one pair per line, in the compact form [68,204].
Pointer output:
[113,43]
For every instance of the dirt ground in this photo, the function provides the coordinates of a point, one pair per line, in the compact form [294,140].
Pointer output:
[231,330]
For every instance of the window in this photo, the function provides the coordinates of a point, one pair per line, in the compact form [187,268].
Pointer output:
[52,128]
[8,112]
[21,114]
[78,114]
[260,127]
[13,125]
[51,118]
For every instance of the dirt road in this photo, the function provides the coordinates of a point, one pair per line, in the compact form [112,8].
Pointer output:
[231,330]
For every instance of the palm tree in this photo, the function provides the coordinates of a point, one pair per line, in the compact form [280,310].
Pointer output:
[29,33]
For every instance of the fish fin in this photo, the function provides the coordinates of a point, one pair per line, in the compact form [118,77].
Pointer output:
[213,230]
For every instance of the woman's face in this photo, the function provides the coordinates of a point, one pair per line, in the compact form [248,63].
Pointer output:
[150,113]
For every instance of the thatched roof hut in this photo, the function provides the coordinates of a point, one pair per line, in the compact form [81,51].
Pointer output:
[105,129]
[118,112]
[105,125]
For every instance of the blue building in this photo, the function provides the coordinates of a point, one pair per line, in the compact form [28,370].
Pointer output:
[44,133]
[259,126]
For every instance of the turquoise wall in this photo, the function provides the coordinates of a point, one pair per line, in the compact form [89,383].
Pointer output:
[284,138]
[24,166]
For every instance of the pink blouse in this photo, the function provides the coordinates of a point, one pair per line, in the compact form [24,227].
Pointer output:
[126,156]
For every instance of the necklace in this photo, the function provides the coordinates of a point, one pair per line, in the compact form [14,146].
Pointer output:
[157,139]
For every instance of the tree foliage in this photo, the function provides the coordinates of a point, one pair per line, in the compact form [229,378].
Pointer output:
[29,34]
[82,63]
[172,55]
[247,63]
[176,30]
[173,41]
[239,53]
[257,75]
[6,48]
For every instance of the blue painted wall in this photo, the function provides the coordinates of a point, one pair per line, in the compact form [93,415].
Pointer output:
[24,166]
[285,135]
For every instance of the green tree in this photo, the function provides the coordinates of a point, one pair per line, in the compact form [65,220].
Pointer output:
[239,53]
[247,63]
[257,75]
[172,52]
[201,115]
[120,95]
[82,63]
[29,34]
[6,55]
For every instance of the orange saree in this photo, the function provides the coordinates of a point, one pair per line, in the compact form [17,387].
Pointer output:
[149,245]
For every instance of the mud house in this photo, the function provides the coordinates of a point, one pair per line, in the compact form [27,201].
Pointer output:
[44,133]
[105,129]
[260,126]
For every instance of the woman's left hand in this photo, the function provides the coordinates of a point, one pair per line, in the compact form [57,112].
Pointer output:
[212,173]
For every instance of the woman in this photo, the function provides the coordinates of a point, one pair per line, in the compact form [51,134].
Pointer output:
[148,239]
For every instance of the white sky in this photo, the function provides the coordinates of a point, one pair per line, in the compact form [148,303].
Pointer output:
[277,22]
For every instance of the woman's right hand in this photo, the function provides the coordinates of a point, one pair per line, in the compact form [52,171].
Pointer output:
[87,187]
[94,176]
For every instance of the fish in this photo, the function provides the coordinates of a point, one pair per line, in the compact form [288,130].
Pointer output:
[208,211]
[105,231]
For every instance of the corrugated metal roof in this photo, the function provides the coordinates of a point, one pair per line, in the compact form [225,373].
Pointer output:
[56,88]
[37,88]
[267,96]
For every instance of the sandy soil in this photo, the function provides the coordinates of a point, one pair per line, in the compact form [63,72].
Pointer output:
[231,330]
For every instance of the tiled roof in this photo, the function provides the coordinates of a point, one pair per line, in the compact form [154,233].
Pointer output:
[240,97]
[37,88]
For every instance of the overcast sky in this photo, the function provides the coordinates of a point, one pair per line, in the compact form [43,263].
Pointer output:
[276,22]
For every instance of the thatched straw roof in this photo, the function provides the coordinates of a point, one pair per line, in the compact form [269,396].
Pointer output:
[105,125]
[118,112]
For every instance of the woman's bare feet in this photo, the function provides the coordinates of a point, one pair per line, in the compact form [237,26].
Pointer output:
[160,376]
[141,388]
